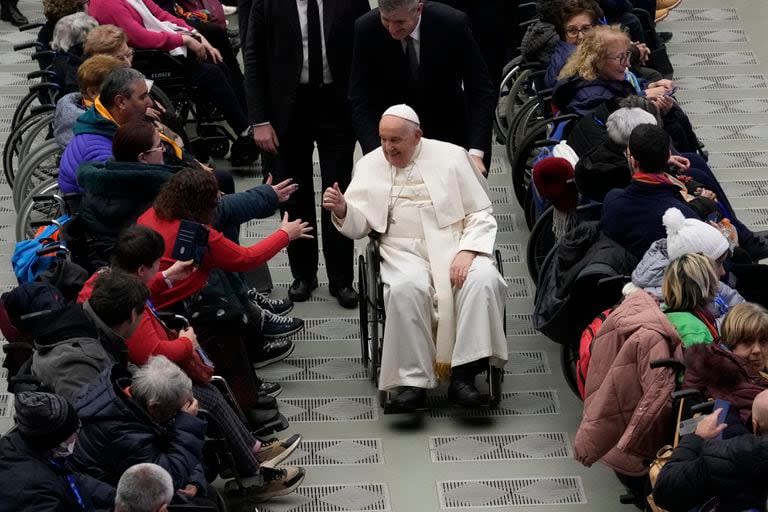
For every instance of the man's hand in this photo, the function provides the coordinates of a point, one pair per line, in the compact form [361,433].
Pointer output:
[682,163]
[708,427]
[191,407]
[212,52]
[265,137]
[479,164]
[284,189]
[179,271]
[664,82]
[194,46]
[644,51]
[189,333]
[460,267]
[189,490]
[655,92]
[334,202]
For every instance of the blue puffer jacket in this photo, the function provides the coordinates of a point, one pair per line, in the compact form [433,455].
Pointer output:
[92,142]
[557,61]
[117,433]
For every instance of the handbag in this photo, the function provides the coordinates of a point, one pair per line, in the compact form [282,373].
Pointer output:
[662,457]
[196,369]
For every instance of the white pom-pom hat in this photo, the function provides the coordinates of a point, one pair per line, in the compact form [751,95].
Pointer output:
[686,236]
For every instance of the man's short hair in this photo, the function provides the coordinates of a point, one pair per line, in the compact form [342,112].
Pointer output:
[649,146]
[143,488]
[120,82]
[161,382]
[116,295]
[623,121]
[137,246]
[393,5]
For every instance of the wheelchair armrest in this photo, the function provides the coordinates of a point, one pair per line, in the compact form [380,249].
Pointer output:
[703,408]
[173,320]
[41,73]
[31,26]
[43,53]
[685,393]
[52,249]
[674,364]
[42,109]
[27,45]
[620,279]
[45,85]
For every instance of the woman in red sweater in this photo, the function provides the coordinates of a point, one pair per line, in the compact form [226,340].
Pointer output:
[192,194]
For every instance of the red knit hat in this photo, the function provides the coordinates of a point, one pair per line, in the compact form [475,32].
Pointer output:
[554,181]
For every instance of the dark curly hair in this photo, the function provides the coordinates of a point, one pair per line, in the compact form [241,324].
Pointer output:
[190,194]
[571,8]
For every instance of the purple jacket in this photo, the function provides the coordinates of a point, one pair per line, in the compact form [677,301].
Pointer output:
[86,147]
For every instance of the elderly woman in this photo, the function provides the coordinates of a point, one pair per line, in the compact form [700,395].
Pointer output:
[90,76]
[689,287]
[109,40]
[732,369]
[597,72]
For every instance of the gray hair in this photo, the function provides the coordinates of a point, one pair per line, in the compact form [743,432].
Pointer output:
[621,123]
[119,82]
[162,382]
[72,30]
[143,488]
[393,5]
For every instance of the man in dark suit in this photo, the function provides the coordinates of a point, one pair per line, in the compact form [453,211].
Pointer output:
[297,60]
[422,54]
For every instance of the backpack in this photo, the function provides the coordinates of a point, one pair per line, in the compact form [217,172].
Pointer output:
[27,264]
[585,350]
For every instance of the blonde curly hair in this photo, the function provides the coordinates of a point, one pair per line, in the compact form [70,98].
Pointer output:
[586,59]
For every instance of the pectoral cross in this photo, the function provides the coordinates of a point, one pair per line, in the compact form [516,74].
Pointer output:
[390,216]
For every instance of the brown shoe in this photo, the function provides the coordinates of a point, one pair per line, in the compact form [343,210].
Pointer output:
[667,4]
[661,14]
[275,451]
[277,482]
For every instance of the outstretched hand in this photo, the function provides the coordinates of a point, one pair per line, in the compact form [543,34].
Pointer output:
[334,202]
[296,228]
[284,189]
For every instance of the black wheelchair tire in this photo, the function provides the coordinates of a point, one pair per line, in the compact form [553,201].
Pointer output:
[569,358]
[362,300]
[540,243]
[522,167]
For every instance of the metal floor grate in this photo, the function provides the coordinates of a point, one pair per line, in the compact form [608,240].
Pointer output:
[715,15]
[6,405]
[738,159]
[726,132]
[745,188]
[514,492]
[367,497]
[507,222]
[329,409]
[310,369]
[717,82]
[699,59]
[531,362]
[336,452]
[520,324]
[735,106]
[726,35]
[518,403]
[753,217]
[511,253]
[519,287]
[498,447]
[322,329]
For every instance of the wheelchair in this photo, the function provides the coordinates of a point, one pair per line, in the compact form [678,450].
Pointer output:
[373,316]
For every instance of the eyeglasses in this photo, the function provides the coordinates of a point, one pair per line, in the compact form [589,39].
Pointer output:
[624,57]
[161,148]
[575,31]
[126,55]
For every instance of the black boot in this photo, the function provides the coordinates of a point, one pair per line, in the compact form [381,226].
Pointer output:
[409,399]
[10,13]
[462,390]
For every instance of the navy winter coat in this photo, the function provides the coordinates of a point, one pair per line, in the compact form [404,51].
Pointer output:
[33,482]
[633,216]
[117,433]
[557,62]
[577,95]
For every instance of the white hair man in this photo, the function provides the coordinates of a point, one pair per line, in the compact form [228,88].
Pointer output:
[426,199]
[144,487]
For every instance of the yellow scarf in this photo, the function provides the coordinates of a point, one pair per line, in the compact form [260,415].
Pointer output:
[103,112]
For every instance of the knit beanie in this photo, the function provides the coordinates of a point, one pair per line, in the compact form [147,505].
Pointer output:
[44,420]
[686,236]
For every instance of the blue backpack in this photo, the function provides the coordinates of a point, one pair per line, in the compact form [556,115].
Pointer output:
[27,264]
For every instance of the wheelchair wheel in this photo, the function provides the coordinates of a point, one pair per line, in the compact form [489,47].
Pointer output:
[529,208]
[527,115]
[526,157]
[38,133]
[39,94]
[495,379]
[38,211]
[540,243]
[25,135]
[362,300]
[43,165]
[501,117]
[569,358]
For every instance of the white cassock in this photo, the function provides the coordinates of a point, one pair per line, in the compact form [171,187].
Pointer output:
[439,207]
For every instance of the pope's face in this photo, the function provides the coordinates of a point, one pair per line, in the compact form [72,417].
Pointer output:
[399,140]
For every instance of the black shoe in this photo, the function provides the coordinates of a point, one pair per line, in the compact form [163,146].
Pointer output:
[257,418]
[757,246]
[409,399]
[464,394]
[276,306]
[244,151]
[12,14]
[665,36]
[277,327]
[346,295]
[301,289]
[272,352]
[269,390]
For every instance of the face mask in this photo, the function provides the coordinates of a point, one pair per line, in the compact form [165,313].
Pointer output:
[64,449]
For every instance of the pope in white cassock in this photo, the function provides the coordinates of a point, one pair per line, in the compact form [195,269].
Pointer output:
[443,297]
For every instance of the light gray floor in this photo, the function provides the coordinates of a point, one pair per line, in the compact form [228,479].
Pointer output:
[519,458]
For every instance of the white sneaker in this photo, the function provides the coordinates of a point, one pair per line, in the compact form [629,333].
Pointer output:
[229,10]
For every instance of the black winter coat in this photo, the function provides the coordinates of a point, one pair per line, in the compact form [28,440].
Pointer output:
[734,470]
[117,433]
[34,483]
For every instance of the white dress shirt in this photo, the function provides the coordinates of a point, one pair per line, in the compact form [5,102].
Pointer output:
[301,5]
[416,36]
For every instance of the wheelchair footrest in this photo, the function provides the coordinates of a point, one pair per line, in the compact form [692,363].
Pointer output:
[278,424]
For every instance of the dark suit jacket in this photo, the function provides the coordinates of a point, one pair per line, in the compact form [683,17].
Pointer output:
[274,54]
[449,55]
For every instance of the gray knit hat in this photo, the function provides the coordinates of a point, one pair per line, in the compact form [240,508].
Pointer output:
[44,420]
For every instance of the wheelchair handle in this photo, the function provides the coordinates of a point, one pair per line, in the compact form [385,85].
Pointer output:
[685,393]
[27,45]
[674,364]
[704,408]
[41,73]
[43,53]
[31,26]
[41,109]
[44,85]
[52,249]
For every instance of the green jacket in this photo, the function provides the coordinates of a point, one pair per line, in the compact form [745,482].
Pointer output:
[691,330]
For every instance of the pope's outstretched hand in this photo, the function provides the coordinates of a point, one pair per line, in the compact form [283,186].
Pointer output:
[334,202]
